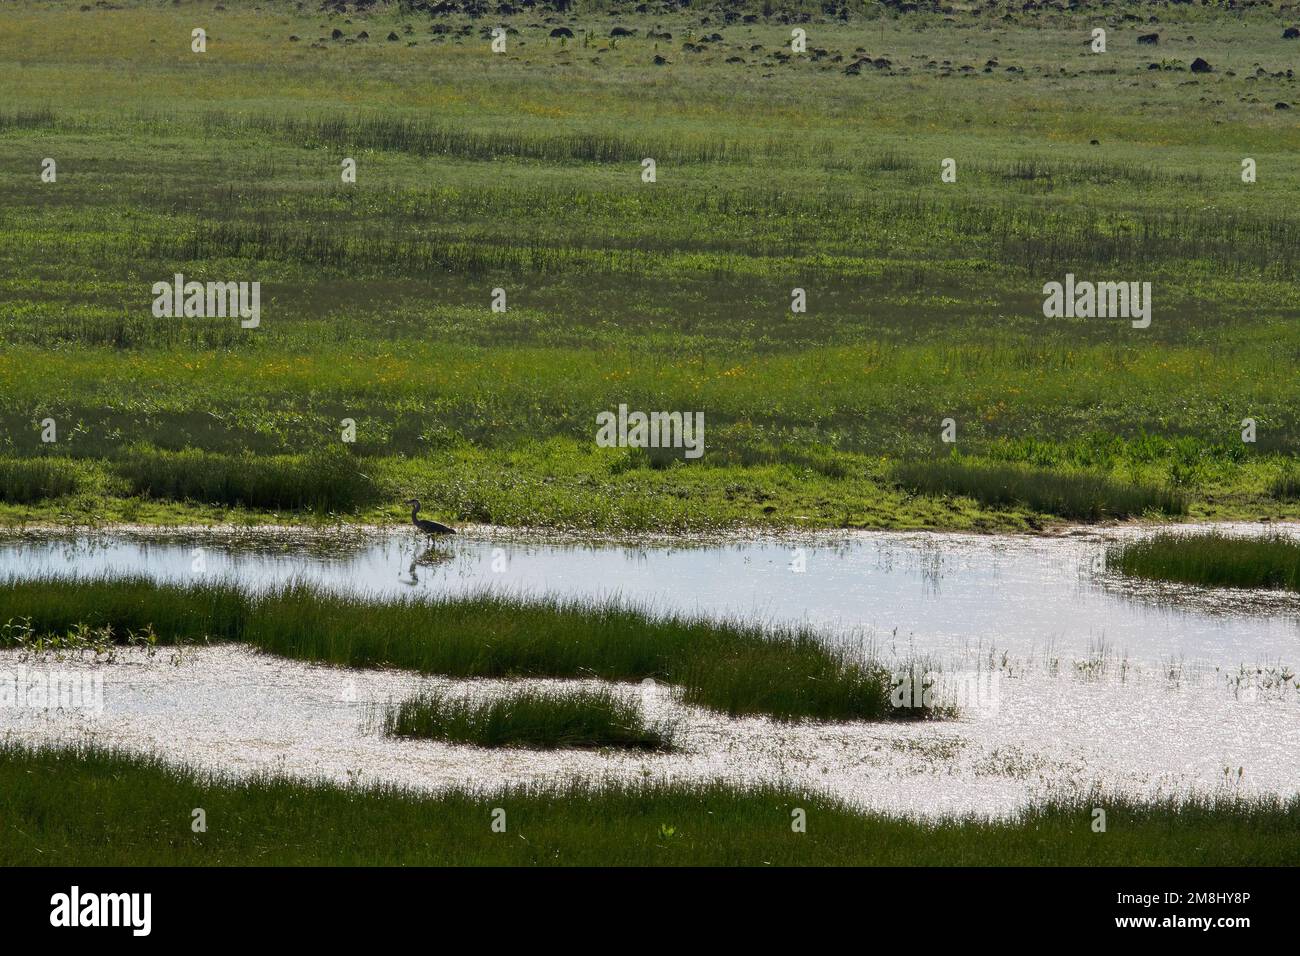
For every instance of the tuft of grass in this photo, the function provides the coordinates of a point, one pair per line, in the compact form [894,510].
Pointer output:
[28,480]
[793,678]
[546,720]
[1212,559]
[1286,486]
[324,480]
[1079,495]
[735,667]
[80,806]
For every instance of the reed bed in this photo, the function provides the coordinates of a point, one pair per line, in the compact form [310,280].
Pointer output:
[326,481]
[1211,559]
[27,480]
[546,720]
[1081,495]
[737,668]
[81,806]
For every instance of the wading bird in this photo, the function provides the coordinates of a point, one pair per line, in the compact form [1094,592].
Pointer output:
[424,524]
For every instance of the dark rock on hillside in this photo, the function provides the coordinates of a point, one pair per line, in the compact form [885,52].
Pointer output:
[1291,33]
[1151,38]
[1200,66]
[622,32]
[562,33]
[393,37]
[1281,106]
[336,34]
[660,60]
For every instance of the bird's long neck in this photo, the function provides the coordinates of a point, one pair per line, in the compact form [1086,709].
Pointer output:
[415,510]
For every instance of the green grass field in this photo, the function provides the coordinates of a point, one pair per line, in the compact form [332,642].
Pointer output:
[95,807]
[522,170]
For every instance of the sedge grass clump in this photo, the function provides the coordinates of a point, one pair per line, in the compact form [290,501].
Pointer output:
[50,607]
[28,480]
[317,481]
[1286,486]
[547,720]
[1211,559]
[797,676]
[1079,495]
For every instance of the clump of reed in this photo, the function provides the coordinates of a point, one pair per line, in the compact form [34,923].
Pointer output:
[1286,486]
[323,481]
[28,480]
[526,718]
[430,137]
[1211,559]
[735,667]
[1079,495]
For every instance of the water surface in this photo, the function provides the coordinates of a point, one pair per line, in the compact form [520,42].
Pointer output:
[932,594]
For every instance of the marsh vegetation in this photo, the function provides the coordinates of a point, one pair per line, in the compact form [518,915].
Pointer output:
[525,718]
[82,807]
[522,171]
[736,667]
[1211,559]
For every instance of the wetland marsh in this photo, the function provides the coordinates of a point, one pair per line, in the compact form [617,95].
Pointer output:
[864,595]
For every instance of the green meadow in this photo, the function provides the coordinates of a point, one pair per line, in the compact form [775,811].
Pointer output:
[522,171]
[90,806]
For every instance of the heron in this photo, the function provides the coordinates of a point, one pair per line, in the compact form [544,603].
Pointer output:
[424,524]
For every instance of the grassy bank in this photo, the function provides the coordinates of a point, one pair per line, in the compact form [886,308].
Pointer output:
[572,485]
[525,718]
[734,667]
[83,808]
[522,171]
[1083,496]
[1211,559]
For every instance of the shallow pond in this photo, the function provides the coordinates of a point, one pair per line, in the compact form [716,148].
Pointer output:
[1081,680]
[939,595]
